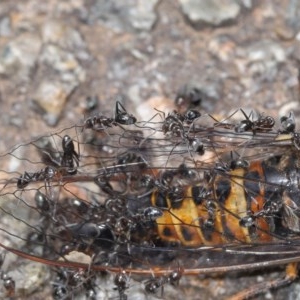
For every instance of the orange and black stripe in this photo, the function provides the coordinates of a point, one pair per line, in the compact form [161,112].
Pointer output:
[214,218]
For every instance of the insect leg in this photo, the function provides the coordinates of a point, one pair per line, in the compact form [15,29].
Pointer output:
[291,275]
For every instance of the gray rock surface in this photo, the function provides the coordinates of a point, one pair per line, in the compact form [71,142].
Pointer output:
[212,12]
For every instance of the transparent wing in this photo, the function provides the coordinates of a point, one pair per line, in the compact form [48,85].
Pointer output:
[95,188]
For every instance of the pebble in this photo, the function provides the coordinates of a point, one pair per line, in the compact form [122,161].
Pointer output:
[62,73]
[51,97]
[19,56]
[122,16]
[142,16]
[223,47]
[66,37]
[266,50]
[247,3]
[5,27]
[37,275]
[65,64]
[259,60]
[211,12]
[285,32]
[294,292]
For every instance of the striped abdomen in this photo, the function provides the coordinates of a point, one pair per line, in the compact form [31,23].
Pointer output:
[238,206]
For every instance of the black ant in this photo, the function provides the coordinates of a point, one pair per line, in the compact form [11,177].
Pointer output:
[8,282]
[122,116]
[70,158]
[121,281]
[174,122]
[45,174]
[263,123]
[152,285]
[288,125]
[101,122]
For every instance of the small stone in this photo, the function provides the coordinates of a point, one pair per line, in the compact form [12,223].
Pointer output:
[66,37]
[266,50]
[294,292]
[212,12]
[30,278]
[5,26]
[122,16]
[61,73]
[247,3]
[285,32]
[63,62]
[264,57]
[142,16]
[51,98]
[223,47]
[20,55]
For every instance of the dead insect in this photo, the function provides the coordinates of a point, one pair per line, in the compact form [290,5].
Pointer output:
[156,200]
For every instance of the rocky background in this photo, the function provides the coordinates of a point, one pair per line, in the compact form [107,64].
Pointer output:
[237,53]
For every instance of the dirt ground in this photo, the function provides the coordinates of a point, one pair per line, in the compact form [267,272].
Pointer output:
[55,54]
